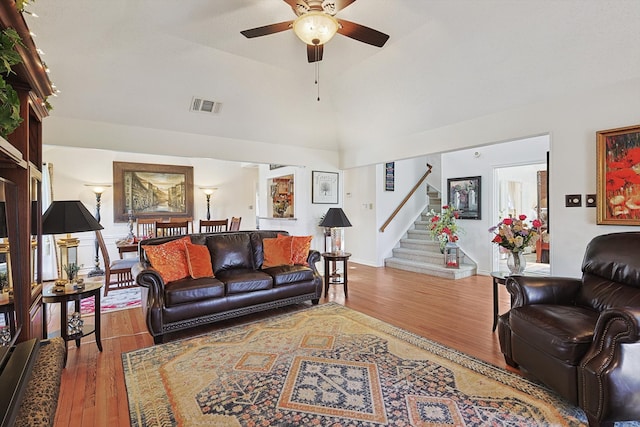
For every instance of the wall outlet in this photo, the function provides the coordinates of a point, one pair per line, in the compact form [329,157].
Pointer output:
[590,200]
[573,200]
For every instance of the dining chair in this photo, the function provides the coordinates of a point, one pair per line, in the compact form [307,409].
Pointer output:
[146,227]
[235,223]
[172,228]
[214,225]
[183,218]
[117,273]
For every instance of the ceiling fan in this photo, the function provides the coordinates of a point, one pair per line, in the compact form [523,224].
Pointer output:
[316,24]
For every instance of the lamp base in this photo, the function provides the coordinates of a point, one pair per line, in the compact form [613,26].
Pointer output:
[97,271]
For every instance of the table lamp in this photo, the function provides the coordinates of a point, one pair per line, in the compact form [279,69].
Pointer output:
[68,216]
[336,220]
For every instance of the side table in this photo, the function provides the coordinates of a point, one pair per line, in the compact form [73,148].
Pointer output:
[335,257]
[499,277]
[91,289]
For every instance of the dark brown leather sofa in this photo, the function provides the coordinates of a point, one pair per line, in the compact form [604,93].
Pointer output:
[240,285]
[581,337]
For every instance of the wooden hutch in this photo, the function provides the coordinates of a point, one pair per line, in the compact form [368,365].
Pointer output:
[20,187]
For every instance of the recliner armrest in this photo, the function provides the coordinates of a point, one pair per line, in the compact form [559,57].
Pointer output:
[607,374]
[527,290]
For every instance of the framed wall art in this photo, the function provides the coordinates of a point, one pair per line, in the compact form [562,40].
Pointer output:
[389,176]
[324,187]
[464,195]
[145,190]
[618,176]
[280,203]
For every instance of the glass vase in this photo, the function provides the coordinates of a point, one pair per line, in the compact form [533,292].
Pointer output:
[516,262]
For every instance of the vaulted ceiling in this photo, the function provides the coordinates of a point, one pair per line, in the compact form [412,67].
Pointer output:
[139,63]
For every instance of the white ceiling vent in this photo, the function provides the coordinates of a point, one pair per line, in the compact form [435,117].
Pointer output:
[201,105]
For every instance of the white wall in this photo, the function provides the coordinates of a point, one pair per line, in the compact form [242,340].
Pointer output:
[476,239]
[572,122]
[370,206]
[75,167]
[307,214]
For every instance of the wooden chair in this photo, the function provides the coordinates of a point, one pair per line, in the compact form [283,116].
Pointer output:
[146,227]
[182,219]
[117,274]
[214,226]
[235,223]
[174,228]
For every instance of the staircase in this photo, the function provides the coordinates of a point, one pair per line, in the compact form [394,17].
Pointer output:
[419,253]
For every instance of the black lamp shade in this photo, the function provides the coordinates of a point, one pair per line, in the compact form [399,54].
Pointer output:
[68,216]
[335,217]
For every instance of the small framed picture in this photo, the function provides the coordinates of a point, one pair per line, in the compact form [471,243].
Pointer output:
[324,187]
[389,176]
[464,195]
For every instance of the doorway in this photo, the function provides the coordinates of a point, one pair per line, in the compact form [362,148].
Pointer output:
[522,189]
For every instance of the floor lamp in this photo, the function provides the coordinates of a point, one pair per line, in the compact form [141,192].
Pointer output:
[208,191]
[65,217]
[97,190]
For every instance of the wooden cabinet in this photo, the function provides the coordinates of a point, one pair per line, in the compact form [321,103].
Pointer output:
[21,164]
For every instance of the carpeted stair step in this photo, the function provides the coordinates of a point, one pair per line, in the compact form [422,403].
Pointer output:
[418,255]
[419,234]
[465,270]
[420,244]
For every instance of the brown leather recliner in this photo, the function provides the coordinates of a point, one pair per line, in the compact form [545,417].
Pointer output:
[581,337]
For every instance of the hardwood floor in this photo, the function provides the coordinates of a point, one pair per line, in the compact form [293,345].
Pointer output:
[456,313]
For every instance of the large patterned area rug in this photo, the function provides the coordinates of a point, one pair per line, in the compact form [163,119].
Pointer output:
[328,366]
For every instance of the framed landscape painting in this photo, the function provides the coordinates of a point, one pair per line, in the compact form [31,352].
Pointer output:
[464,195]
[145,190]
[618,176]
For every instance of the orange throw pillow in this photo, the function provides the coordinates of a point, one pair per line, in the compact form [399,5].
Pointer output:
[169,259]
[276,252]
[198,260]
[300,246]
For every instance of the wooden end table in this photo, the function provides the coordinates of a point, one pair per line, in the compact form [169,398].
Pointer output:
[91,289]
[335,257]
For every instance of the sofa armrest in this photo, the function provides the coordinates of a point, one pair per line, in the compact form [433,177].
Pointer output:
[314,256]
[527,290]
[147,276]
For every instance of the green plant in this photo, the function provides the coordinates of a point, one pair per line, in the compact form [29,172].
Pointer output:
[4,280]
[71,270]
[9,102]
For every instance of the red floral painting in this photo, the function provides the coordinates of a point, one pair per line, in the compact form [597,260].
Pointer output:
[619,176]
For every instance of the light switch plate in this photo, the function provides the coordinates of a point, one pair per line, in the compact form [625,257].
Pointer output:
[573,200]
[590,200]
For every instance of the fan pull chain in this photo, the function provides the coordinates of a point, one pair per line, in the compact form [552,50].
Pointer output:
[318,71]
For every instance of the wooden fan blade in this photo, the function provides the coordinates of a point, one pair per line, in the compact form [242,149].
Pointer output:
[292,3]
[341,4]
[314,53]
[362,33]
[267,29]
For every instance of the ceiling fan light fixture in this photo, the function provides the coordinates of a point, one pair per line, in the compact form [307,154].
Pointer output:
[315,28]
